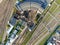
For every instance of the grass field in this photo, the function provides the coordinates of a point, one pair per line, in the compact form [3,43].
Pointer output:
[44,40]
[1,36]
[0,39]
[47,19]
[40,36]
[56,11]
[27,37]
[53,7]
[52,10]
[58,1]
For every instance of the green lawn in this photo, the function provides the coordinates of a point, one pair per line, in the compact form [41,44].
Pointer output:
[28,35]
[8,26]
[1,36]
[44,40]
[27,38]
[53,7]
[0,39]
[5,40]
[41,36]
[56,11]
[47,18]
[58,1]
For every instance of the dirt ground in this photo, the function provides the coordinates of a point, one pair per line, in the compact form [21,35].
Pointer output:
[6,8]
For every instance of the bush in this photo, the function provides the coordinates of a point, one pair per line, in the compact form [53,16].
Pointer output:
[37,17]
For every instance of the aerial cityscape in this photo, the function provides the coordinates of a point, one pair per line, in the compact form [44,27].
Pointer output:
[29,22]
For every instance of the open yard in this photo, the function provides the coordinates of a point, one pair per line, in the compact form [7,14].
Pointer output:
[44,40]
[53,7]
[57,10]
[54,10]
[58,1]
[57,13]
[52,24]
[43,32]
[1,36]
[47,19]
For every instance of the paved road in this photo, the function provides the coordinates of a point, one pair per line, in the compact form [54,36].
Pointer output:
[6,8]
